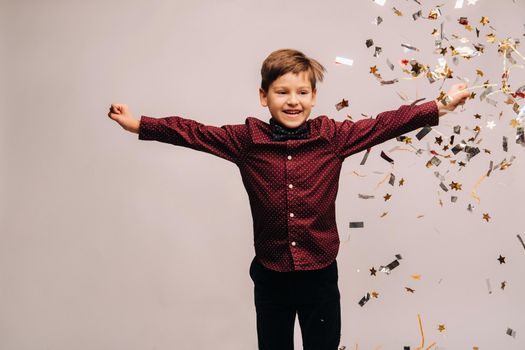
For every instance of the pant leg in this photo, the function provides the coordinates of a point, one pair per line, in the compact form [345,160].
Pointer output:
[275,311]
[320,310]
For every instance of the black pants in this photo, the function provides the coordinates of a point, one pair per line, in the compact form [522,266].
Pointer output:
[312,295]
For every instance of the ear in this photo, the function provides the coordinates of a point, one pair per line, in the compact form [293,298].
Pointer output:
[263,97]
[314,97]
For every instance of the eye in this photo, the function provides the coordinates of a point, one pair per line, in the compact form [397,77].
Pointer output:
[304,92]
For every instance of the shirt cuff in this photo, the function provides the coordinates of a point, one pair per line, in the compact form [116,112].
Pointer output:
[147,128]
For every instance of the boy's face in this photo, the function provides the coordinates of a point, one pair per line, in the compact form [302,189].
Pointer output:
[290,99]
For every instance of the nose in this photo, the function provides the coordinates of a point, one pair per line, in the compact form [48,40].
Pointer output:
[292,99]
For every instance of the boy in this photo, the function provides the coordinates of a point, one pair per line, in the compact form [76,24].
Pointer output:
[290,169]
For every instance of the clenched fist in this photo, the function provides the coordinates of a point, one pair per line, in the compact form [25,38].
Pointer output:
[456,96]
[121,114]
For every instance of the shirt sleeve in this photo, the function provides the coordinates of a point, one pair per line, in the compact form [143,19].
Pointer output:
[225,141]
[352,137]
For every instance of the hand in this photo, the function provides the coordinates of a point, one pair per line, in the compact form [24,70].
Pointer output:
[456,95]
[121,114]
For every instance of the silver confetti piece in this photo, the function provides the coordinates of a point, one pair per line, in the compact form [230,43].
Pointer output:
[423,132]
[365,196]
[511,332]
[364,300]
[392,179]
[505,144]
[389,64]
[520,136]
[357,224]
[365,157]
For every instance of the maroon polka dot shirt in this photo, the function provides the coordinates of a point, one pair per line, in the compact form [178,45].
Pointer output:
[292,185]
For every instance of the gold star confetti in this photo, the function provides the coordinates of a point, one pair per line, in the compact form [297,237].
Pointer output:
[410,290]
[514,123]
[373,70]
[456,186]
[397,12]
[373,271]
[484,20]
[491,38]
[416,277]
[387,196]
[434,14]
[477,116]
[501,259]
[441,328]
[384,214]
[401,182]
[479,72]
[439,140]
[503,285]
[486,217]
[408,140]
[375,295]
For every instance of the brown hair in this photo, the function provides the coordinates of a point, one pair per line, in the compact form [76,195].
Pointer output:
[284,61]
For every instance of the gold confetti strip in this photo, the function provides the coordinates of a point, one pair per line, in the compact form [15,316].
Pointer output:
[423,337]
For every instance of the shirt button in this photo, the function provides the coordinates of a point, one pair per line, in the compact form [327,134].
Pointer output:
[291,215]
[290,185]
[294,244]
[289,157]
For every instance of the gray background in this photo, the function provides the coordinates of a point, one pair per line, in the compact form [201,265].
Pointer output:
[108,242]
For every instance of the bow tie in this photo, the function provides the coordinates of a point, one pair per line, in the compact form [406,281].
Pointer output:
[280,133]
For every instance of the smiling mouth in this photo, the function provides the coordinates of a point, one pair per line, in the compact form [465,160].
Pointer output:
[292,112]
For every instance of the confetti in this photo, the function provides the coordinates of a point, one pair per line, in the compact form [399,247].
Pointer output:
[343,60]
[521,241]
[501,259]
[364,299]
[488,286]
[389,64]
[365,196]
[380,2]
[386,157]
[511,332]
[369,42]
[409,47]
[365,157]
[387,197]
[342,104]
[434,13]
[423,132]
[388,269]
[459,4]
[441,328]
[392,179]
[456,186]
[397,12]
[408,289]
[357,224]
[373,271]
[486,217]
[503,285]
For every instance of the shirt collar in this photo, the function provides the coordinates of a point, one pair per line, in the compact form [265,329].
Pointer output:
[261,132]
